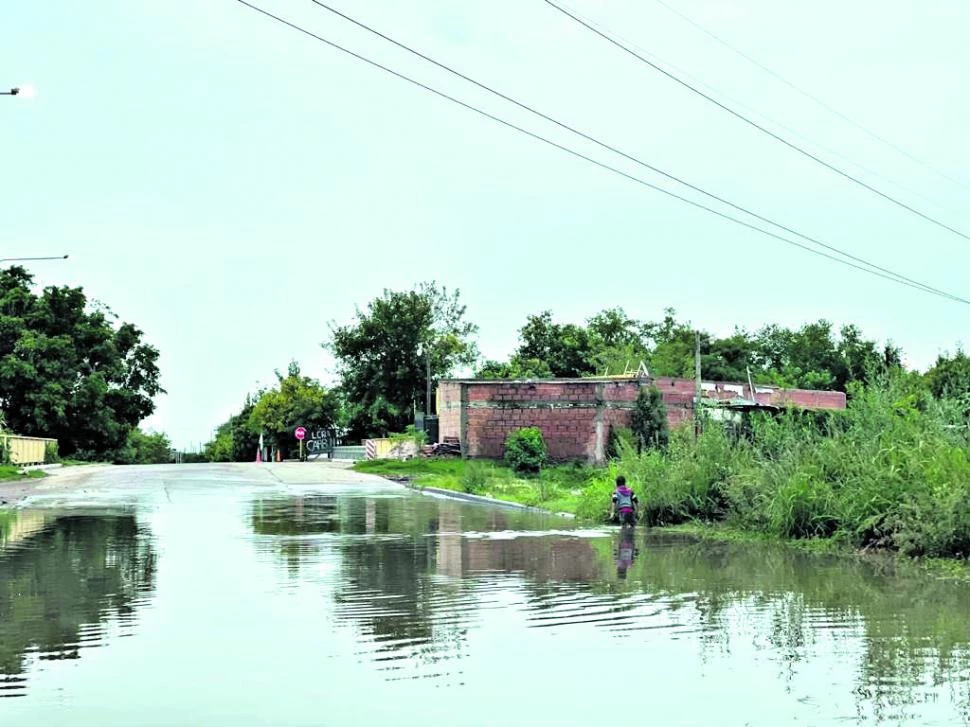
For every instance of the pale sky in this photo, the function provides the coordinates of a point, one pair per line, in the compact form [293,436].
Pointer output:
[231,186]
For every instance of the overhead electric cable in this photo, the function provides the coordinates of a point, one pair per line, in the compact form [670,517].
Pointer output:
[741,104]
[615,150]
[686,18]
[892,278]
[756,125]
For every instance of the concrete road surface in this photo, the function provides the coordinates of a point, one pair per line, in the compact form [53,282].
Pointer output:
[71,480]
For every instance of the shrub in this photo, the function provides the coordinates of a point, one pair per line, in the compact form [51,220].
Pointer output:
[617,439]
[594,503]
[410,435]
[474,477]
[649,420]
[50,453]
[525,450]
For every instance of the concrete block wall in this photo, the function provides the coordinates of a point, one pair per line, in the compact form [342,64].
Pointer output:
[575,414]
[449,410]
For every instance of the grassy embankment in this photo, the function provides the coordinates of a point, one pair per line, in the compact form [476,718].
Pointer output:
[557,488]
[10,473]
[892,472]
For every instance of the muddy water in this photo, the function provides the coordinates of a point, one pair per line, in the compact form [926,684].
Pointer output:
[227,603]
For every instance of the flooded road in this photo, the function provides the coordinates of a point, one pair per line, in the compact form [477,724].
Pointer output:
[251,595]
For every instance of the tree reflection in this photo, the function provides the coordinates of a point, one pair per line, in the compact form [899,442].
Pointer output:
[915,631]
[414,573]
[64,575]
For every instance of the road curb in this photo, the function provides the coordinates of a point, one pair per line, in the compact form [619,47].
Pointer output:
[480,500]
[41,467]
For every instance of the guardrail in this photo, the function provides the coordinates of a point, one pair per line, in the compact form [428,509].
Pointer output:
[349,452]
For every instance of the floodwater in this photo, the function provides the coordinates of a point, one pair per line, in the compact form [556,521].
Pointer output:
[197,598]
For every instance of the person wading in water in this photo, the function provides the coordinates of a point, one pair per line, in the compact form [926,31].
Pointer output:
[624,504]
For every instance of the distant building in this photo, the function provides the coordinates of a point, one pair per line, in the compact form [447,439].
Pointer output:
[575,415]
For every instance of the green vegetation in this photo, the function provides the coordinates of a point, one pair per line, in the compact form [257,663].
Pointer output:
[12,473]
[611,342]
[145,448]
[295,401]
[69,371]
[525,451]
[893,472]
[648,423]
[410,436]
[385,356]
[556,488]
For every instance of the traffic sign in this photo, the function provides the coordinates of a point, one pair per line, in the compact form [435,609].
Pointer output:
[300,433]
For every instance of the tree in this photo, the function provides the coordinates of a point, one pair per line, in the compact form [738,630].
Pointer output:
[295,401]
[235,441]
[516,368]
[384,356]
[649,420]
[565,348]
[950,376]
[69,371]
[671,346]
[616,342]
[145,448]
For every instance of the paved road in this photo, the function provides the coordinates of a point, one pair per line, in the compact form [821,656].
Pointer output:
[70,480]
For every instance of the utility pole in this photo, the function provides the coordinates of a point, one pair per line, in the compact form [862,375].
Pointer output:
[697,381]
[427,401]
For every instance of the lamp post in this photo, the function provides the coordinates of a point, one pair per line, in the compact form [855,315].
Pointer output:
[31,259]
[23,91]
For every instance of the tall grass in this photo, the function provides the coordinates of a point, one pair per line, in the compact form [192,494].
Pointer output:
[891,471]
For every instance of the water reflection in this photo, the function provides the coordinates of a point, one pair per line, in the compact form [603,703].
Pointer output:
[415,577]
[61,579]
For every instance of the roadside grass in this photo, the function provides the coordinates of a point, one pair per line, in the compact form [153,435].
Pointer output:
[11,473]
[556,488]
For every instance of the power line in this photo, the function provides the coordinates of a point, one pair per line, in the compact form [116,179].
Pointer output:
[737,102]
[758,126]
[622,153]
[806,94]
[918,286]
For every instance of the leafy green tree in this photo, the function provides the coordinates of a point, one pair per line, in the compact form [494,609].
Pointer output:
[671,346]
[220,449]
[616,342]
[145,448]
[950,376]
[295,401]
[565,348]
[649,420]
[515,368]
[383,357]
[729,359]
[69,371]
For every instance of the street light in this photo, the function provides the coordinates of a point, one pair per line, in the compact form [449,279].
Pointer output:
[25,91]
[30,259]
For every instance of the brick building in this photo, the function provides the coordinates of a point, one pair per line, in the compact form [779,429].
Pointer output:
[575,414]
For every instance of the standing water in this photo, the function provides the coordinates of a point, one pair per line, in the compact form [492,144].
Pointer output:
[202,596]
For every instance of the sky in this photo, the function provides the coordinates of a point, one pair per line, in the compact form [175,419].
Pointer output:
[232,186]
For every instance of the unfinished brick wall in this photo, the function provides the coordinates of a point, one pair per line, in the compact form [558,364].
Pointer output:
[449,410]
[575,414]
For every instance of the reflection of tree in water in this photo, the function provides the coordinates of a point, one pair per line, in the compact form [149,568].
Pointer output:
[915,630]
[402,561]
[386,590]
[291,517]
[75,571]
